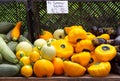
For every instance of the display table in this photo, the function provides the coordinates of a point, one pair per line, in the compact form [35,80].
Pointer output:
[111,77]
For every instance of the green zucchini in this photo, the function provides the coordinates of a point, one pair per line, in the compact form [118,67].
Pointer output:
[12,45]
[6,52]
[5,27]
[4,37]
[9,70]
[1,58]
[8,35]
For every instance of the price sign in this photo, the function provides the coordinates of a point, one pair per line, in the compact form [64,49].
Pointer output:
[57,7]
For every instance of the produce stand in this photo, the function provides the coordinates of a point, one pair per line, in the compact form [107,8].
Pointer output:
[88,13]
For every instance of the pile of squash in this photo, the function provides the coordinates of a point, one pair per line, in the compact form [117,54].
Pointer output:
[71,51]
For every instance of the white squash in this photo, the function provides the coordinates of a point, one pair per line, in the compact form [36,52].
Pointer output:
[48,52]
[25,46]
[59,34]
[40,42]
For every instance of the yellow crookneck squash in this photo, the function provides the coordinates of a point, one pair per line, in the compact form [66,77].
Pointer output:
[84,45]
[82,58]
[105,52]
[15,33]
[77,34]
[99,69]
[63,48]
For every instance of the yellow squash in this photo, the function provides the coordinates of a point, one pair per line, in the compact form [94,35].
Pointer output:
[84,45]
[99,69]
[68,29]
[45,34]
[82,58]
[63,48]
[77,34]
[105,52]
[90,36]
[93,59]
[105,36]
[73,69]
[43,67]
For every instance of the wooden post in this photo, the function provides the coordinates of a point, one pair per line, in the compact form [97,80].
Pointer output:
[30,21]
[35,10]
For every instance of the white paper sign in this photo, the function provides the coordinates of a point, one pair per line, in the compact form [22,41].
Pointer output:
[57,7]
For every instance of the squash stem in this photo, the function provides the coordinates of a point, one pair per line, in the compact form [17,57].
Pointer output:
[42,32]
[48,44]
[97,63]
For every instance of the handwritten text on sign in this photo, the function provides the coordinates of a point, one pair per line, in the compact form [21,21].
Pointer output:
[57,7]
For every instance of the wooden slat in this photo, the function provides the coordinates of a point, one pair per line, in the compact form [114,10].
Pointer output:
[111,77]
